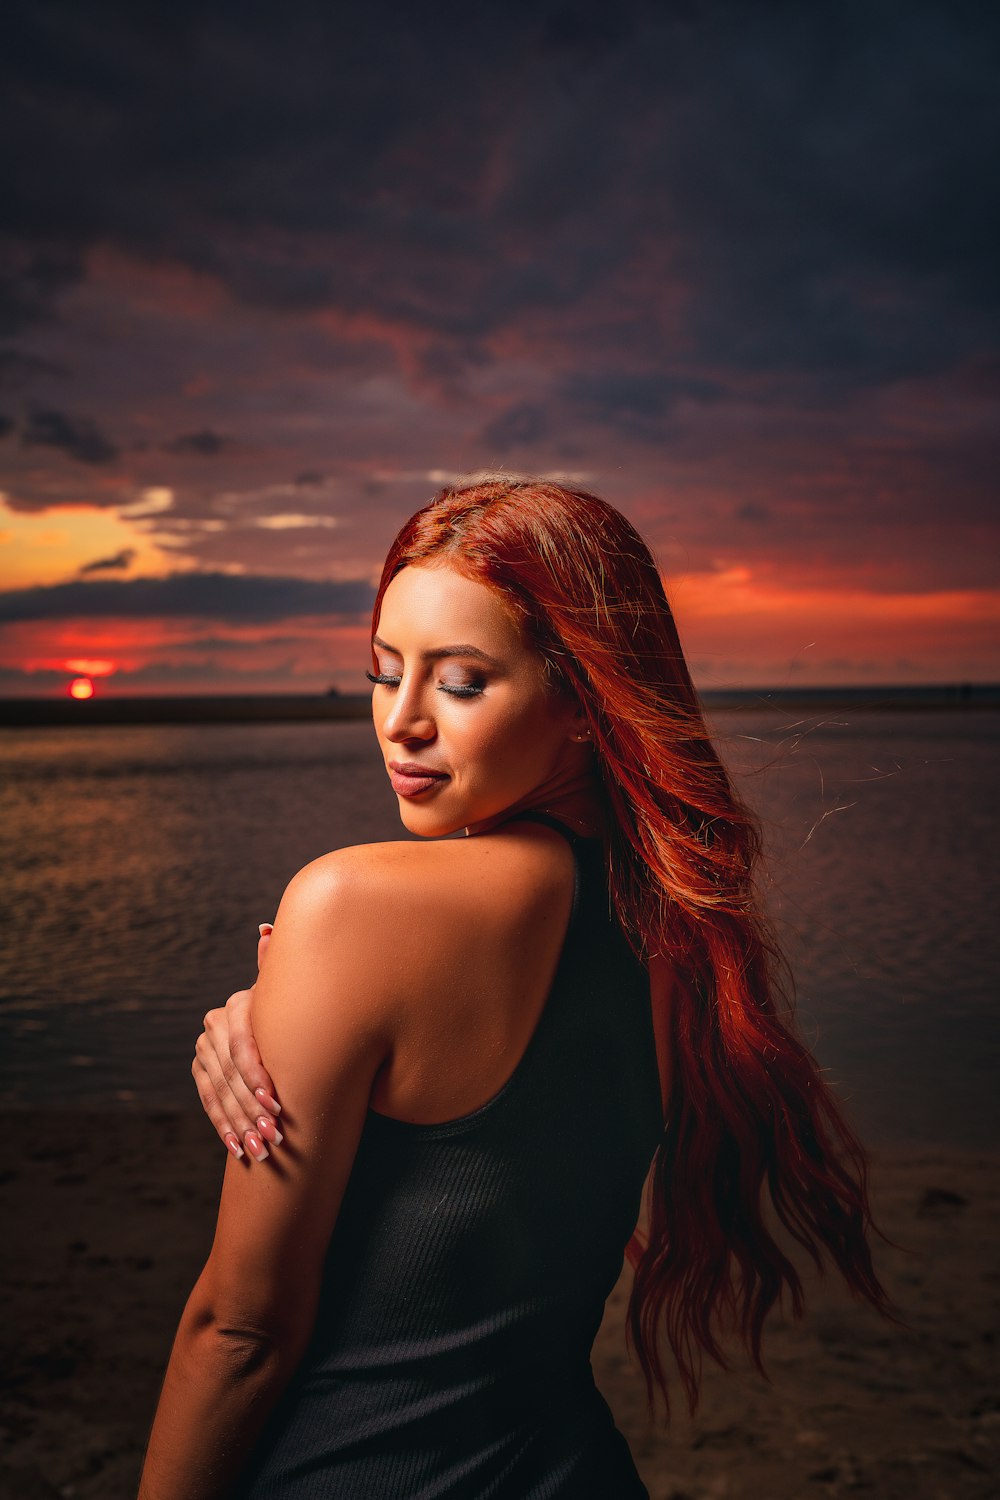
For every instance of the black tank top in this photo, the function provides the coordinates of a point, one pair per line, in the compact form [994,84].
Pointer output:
[469,1266]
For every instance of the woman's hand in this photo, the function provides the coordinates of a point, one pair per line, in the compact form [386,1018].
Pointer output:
[233,1085]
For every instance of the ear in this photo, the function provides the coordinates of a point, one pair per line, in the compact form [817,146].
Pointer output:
[578,728]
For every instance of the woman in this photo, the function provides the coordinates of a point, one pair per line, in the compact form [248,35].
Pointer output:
[481,1044]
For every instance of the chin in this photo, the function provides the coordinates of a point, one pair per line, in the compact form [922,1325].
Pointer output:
[426,822]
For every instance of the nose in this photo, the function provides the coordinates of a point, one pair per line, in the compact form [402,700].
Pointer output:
[408,717]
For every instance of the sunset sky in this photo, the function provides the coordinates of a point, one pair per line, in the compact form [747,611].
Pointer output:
[269,275]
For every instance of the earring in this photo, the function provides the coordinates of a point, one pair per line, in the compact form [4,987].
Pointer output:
[585,735]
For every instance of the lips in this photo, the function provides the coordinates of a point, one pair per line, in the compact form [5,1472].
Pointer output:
[410,779]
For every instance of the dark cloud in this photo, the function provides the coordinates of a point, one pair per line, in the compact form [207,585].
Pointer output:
[229,596]
[205,443]
[18,369]
[121,560]
[584,31]
[523,424]
[754,512]
[641,405]
[820,179]
[79,437]
[32,275]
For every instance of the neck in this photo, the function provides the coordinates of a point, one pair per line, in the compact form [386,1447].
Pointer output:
[572,794]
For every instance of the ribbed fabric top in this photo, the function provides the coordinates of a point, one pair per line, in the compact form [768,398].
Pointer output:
[468,1270]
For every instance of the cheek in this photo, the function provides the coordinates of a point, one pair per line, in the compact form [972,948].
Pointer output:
[516,742]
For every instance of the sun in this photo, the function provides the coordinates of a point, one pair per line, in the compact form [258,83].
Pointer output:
[81,687]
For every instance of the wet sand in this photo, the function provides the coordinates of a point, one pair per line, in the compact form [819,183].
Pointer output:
[109,1218]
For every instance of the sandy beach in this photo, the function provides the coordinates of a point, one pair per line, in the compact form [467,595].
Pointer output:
[109,1218]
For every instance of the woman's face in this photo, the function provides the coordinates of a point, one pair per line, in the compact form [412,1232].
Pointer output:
[463,696]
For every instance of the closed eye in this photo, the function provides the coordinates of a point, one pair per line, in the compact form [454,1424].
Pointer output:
[455,690]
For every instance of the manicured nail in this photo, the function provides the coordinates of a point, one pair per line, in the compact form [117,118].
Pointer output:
[265,1125]
[263,927]
[234,1146]
[268,1100]
[256,1146]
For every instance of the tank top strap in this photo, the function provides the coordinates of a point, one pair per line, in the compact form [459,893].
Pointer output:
[534,815]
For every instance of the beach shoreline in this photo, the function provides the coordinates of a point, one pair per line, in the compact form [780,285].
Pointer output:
[281,708]
[112,1216]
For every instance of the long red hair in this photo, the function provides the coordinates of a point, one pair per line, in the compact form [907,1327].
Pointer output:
[746,1107]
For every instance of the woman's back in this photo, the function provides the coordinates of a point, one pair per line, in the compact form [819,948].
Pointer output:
[471,1260]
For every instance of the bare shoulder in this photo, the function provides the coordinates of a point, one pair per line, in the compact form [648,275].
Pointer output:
[389,871]
[438,953]
[421,872]
[411,900]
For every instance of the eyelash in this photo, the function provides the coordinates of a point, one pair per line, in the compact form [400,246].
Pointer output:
[383,680]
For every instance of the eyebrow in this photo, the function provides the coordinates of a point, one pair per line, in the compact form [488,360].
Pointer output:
[440,652]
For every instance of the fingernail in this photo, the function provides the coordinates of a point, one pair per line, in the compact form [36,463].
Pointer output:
[263,927]
[265,1124]
[234,1146]
[269,1100]
[256,1146]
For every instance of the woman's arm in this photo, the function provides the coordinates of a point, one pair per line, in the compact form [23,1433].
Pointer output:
[324,1016]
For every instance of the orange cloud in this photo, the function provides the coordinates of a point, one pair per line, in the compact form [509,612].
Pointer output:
[733,592]
[91,668]
[740,628]
[36,552]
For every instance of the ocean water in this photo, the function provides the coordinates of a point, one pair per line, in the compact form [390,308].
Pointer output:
[139,860]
